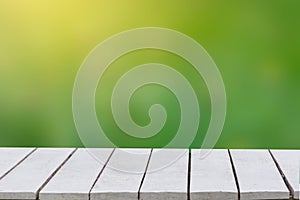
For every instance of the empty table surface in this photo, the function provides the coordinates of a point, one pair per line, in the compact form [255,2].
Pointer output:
[113,174]
[212,177]
[258,176]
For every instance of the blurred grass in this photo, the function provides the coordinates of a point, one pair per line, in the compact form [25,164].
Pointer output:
[255,44]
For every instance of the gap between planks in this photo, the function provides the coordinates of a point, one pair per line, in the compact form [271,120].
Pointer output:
[144,175]
[17,164]
[234,174]
[284,178]
[288,185]
[53,174]
[189,175]
[104,166]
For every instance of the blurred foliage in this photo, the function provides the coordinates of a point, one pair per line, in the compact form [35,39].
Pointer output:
[255,44]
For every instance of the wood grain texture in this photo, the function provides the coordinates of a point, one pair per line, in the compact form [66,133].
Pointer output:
[212,177]
[288,161]
[10,157]
[25,180]
[116,184]
[61,174]
[170,182]
[258,175]
[76,178]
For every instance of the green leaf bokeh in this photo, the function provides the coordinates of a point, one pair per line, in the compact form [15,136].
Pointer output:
[255,45]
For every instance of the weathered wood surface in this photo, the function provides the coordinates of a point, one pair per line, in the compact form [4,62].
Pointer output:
[10,157]
[258,176]
[94,174]
[170,182]
[75,179]
[288,161]
[212,177]
[26,179]
[122,185]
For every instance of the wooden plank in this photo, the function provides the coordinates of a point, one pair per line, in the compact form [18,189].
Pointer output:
[258,175]
[116,182]
[170,182]
[288,161]
[212,177]
[10,157]
[26,179]
[75,179]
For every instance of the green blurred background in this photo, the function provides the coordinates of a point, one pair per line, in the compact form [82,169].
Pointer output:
[255,44]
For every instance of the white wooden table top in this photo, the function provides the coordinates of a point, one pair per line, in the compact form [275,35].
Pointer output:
[89,174]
